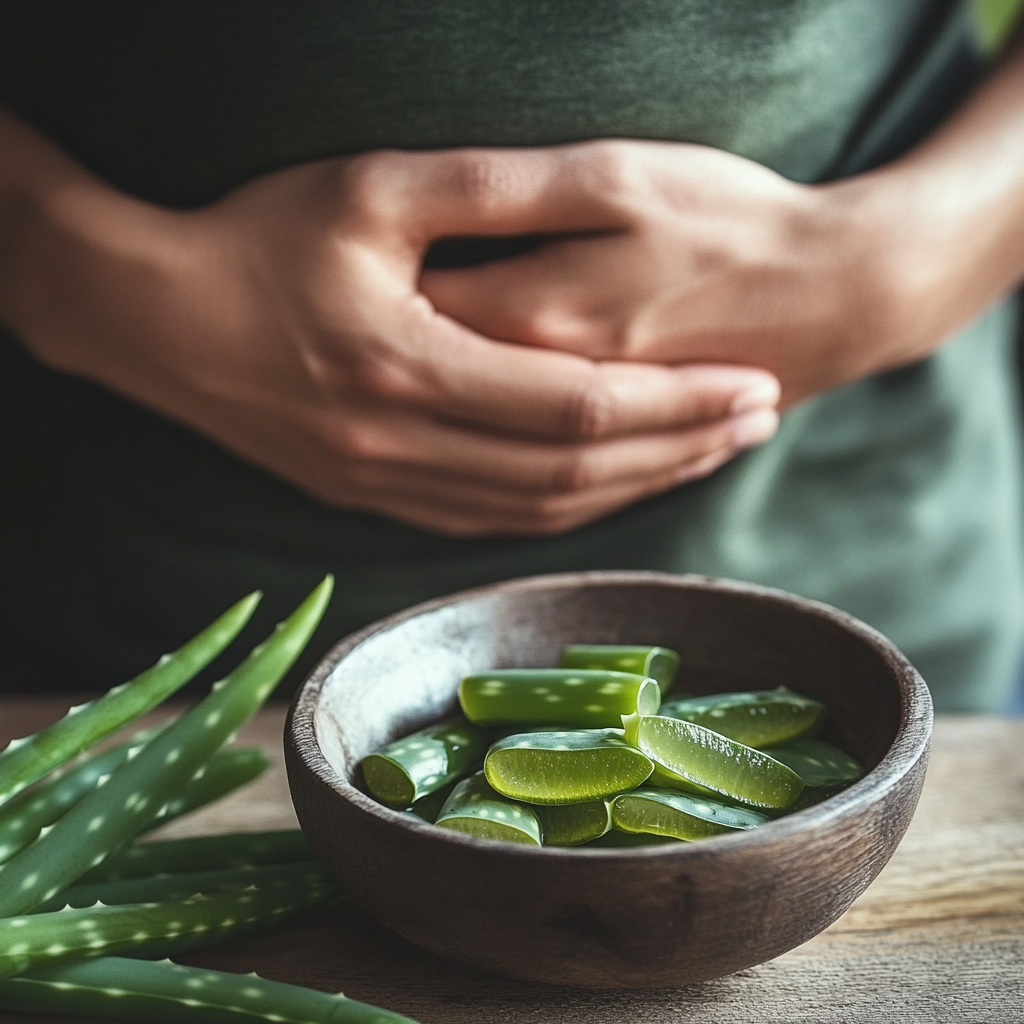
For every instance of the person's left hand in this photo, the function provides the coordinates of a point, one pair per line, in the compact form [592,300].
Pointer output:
[673,253]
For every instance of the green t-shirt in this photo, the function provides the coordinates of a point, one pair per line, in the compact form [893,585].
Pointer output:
[895,498]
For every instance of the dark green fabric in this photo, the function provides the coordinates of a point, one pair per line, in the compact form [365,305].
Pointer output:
[895,498]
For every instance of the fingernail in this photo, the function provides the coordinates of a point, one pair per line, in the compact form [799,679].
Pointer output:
[754,427]
[757,396]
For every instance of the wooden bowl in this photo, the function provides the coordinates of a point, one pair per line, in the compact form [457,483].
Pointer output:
[612,918]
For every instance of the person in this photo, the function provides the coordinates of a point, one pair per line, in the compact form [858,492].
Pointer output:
[239,350]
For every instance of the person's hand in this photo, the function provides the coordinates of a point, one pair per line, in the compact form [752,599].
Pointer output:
[665,252]
[285,322]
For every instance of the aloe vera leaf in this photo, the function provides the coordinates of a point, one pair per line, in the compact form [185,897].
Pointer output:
[28,759]
[429,807]
[24,816]
[225,772]
[202,853]
[565,767]
[475,809]
[819,764]
[147,930]
[732,770]
[579,698]
[133,795]
[162,888]
[660,663]
[574,824]
[422,763]
[759,718]
[172,994]
[664,812]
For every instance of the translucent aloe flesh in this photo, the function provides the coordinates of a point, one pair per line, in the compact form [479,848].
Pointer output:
[582,698]
[202,853]
[664,812]
[759,718]
[702,756]
[574,824]
[174,994]
[565,767]
[415,766]
[659,663]
[26,760]
[475,809]
[134,794]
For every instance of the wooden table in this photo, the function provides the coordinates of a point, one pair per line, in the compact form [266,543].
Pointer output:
[938,937]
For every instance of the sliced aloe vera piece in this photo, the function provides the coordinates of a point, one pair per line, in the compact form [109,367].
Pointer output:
[760,718]
[565,767]
[475,809]
[424,762]
[616,840]
[427,808]
[818,763]
[581,698]
[705,757]
[659,663]
[664,812]
[573,824]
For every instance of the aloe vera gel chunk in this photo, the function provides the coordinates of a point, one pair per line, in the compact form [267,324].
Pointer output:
[574,824]
[758,719]
[413,767]
[477,810]
[702,756]
[663,812]
[582,698]
[565,767]
[659,663]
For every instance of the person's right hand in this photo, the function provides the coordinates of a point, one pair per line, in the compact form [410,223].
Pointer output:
[285,323]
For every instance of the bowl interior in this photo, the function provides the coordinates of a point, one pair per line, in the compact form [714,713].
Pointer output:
[404,676]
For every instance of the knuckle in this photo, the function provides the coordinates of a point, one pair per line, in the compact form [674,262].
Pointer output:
[367,184]
[613,169]
[486,181]
[591,411]
[573,473]
[360,442]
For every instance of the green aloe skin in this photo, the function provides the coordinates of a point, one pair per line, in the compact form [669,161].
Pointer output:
[180,885]
[565,767]
[420,764]
[659,663]
[574,824]
[172,994]
[134,794]
[579,698]
[475,809]
[825,769]
[761,718]
[202,853]
[148,929]
[699,755]
[664,812]
[26,760]
[158,898]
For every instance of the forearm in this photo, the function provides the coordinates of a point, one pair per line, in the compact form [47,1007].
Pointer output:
[952,213]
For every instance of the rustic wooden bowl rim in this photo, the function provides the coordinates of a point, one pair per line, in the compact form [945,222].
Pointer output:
[909,745]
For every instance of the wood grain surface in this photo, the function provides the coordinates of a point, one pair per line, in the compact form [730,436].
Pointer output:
[939,936]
